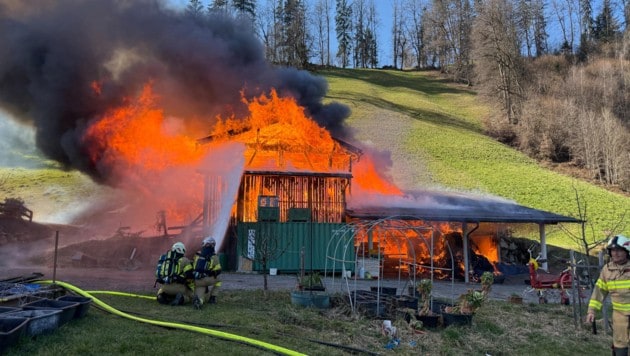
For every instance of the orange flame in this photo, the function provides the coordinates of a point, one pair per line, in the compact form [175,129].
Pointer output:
[136,145]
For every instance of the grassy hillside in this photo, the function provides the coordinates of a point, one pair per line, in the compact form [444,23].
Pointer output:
[433,130]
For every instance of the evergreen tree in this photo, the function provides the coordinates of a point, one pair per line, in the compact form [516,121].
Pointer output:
[295,34]
[194,8]
[247,7]
[343,28]
[606,27]
[218,6]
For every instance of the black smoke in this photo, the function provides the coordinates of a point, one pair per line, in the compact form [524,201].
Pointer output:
[54,55]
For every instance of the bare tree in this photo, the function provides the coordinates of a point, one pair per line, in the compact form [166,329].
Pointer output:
[321,22]
[566,14]
[269,29]
[499,65]
[398,33]
[588,239]
[263,247]
[415,29]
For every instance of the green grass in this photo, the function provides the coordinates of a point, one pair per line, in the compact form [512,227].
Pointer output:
[439,139]
[499,328]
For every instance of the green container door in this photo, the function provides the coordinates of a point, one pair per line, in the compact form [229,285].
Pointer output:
[324,249]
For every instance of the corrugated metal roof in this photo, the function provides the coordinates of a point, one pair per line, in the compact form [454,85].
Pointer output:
[457,207]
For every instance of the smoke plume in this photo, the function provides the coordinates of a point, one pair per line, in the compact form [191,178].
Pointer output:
[63,64]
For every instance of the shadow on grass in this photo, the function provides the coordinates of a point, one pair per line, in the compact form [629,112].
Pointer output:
[391,78]
[427,116]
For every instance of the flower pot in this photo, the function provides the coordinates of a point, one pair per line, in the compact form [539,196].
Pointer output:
[456,319]
[310,299]
[429,321]
[384,290]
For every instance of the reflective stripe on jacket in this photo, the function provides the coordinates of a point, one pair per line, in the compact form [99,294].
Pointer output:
[614,280]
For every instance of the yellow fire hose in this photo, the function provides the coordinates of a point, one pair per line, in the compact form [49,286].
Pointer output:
[201,330]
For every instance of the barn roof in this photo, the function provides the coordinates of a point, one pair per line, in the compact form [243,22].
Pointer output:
[457,207]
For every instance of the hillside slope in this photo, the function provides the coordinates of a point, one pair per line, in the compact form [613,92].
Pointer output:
[433,131]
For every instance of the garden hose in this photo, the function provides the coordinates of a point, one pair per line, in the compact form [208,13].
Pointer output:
[343,347]
[201,330]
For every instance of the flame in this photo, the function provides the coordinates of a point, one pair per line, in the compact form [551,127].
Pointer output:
[368,179]
[139,149]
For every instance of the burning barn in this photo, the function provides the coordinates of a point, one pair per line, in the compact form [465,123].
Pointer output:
[294,209]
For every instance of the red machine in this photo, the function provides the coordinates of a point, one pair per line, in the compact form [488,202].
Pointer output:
[542,281]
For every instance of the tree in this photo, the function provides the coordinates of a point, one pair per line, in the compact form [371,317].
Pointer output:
[586,20]
[321,22]
[217,6]
[565,11]
[360,34]
[371,37]
[264,248]
[540,28]
[416,31]
[398,34]
[295,34]
[245,7]
[497,55]
[606,27]
[269,29]
[343,28]
[588,239]
[194,9]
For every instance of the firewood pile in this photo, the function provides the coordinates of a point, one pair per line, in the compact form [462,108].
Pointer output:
[514,250]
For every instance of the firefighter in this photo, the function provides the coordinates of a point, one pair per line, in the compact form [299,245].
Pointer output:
[207,269]
[174,272]
[614,280]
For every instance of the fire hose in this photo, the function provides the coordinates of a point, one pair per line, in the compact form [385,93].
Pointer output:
[211,332]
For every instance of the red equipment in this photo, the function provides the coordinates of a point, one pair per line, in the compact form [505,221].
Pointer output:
[543,281]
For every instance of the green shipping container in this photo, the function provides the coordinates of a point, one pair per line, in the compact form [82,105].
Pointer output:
[326,247]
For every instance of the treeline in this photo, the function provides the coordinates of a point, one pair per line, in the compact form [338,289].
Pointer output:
[568,105]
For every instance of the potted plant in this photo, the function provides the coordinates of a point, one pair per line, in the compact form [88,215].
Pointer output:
[311,281]
[415,325]
[463,311]
[310,292]
[487,279]
[425,314]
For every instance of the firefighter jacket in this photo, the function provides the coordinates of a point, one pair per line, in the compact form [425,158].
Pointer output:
[206,266]
[614,280]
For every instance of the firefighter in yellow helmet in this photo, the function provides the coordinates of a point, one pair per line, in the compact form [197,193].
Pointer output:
[614,280]
[207,269]
[174,272]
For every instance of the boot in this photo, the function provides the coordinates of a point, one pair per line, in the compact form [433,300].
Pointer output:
[212,300]
[179,299]
[162,299]
[618,351]
[197,303]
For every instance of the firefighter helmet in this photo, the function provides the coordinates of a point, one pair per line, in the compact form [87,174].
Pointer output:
[209,241]
[179,248]
[618,241]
